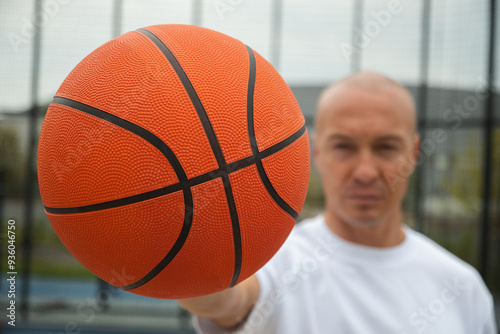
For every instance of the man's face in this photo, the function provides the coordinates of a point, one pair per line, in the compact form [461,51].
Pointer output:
[364,142]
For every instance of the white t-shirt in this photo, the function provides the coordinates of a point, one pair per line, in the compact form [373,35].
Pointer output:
[320,283]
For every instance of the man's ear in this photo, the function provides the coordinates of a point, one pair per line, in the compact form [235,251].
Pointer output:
[316,155]
[416,150]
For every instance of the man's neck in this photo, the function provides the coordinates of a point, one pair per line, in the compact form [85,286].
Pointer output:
[387,233]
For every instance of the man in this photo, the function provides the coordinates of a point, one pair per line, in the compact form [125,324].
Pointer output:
[357,268]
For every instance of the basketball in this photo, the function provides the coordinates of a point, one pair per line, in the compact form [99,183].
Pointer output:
[173,161]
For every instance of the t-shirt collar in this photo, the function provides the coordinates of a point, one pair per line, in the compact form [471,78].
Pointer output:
[369,254]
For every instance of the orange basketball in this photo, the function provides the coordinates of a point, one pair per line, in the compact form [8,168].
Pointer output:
[173,161]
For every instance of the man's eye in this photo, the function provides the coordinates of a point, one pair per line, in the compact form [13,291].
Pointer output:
[387,147]
[342,147]
[387,150]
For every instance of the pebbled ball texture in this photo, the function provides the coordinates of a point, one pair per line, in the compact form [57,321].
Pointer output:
[126,209]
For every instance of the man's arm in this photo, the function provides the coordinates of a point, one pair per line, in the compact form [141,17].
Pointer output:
[227,308]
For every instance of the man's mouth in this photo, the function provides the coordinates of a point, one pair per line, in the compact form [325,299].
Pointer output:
[365,198]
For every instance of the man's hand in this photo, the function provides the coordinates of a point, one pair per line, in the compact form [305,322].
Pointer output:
[227,308]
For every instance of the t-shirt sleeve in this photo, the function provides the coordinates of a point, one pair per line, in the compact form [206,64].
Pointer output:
[206,326]
[265,316]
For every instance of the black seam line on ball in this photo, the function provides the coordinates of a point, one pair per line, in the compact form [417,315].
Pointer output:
[212,138]
[134,128]
[195,100]
[118,202]
[282,144]
[172,159]
[230,168]
[236,226]
[253,143]
[236,229]
[181,239]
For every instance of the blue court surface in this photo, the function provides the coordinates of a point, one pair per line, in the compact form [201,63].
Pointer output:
[89,307]
[28,330]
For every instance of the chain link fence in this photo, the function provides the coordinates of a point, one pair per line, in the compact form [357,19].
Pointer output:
[445,52]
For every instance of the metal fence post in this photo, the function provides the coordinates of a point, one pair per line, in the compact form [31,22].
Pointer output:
[422,108]
[276,17]
[117,17]
[484,240]
[27,243]
[357,24]
[197,13]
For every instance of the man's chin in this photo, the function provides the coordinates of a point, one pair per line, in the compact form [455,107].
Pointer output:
[360,216]
[363,220]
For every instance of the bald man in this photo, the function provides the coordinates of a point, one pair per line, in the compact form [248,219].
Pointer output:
[357,268]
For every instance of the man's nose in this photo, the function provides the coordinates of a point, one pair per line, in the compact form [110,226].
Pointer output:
[366,171]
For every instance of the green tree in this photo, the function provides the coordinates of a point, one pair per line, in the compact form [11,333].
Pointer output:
[465,183]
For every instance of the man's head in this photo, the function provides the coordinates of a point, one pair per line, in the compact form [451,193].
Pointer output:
[365,135]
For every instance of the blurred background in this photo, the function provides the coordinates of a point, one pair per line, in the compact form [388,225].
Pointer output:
[444,51]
